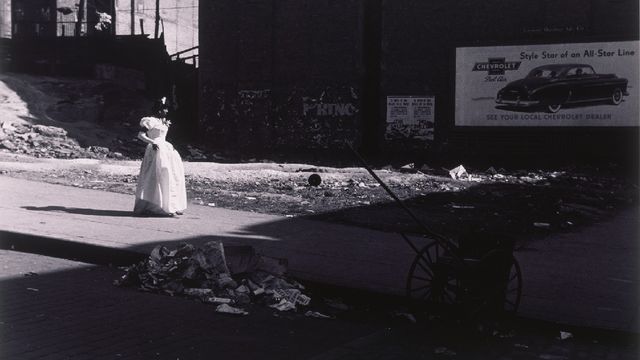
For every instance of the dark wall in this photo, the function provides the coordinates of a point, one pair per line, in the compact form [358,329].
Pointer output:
[418,57]
[281,74]
[81,56]
[310,74]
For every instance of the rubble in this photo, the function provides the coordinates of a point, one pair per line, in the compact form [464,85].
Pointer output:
[204,273]
[194,154]
[51,131]
[55,142]
[228,309]
[458,173]
[316,314]
[564,335]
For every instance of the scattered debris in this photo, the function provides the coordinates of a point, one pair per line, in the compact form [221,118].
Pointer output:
[218,300]
[194,154]
[406,316]
[198,292]
[215,274]
[521,346]
[284,305]
[455,206]
[50,131]
[33,289]
[458,173]
[316,314]
[564,335]
[552,357]
[542,225]
[336,304]
[410,168]
[444,351]
[228,309]
[504,334]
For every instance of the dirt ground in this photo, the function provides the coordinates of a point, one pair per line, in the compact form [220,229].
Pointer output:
[49,133]
[520,203]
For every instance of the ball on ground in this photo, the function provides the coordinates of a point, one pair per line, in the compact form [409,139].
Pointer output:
[314,180]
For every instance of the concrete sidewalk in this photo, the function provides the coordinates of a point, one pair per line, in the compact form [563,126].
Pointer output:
[588,278]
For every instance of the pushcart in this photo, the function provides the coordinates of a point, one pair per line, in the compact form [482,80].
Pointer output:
[477,273]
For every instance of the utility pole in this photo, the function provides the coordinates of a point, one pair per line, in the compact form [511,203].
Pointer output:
[133,17]
[80,20]
[114,18]
[157,18]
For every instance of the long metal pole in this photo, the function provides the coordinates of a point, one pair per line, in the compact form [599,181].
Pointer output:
[443,241]
[80,17]
[114,18]
[133,17]
[157,19]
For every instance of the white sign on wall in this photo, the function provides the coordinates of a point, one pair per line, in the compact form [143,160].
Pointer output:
[410,117]
[580,84]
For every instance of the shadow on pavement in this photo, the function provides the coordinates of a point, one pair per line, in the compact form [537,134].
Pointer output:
[562,204]
[58,309]
[81,211]
[70,250]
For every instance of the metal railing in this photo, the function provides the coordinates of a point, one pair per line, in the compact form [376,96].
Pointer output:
[49,29]
[191,57]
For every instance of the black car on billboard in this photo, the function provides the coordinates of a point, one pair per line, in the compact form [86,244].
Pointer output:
[550,87]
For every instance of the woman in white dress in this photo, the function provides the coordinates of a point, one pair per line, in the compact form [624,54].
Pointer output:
[161,186]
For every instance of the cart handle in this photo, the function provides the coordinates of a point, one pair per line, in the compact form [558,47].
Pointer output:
[443,241]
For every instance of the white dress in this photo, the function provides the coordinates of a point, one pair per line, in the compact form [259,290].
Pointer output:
[161,187]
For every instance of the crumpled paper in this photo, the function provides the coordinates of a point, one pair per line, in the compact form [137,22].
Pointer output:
[205,274]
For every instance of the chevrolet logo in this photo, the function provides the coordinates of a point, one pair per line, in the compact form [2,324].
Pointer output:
[496,66]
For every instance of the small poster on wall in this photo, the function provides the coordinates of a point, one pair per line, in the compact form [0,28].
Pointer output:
[410,117]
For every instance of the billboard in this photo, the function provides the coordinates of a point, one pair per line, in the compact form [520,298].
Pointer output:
[579,84]
[410,117]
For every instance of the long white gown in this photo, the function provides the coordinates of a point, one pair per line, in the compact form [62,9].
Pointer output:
[161,186]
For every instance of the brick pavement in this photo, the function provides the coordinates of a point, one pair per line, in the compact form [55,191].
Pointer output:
[53,308]
[72,310]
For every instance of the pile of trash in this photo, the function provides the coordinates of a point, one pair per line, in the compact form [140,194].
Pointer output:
[231,278]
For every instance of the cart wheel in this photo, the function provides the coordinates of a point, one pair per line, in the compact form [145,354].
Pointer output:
[431,278]
[513,290]
[496,284]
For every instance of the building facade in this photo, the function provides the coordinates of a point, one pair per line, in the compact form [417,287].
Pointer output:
[5,19]
[178,21]
[64,18]
[61,18]
[387,74]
